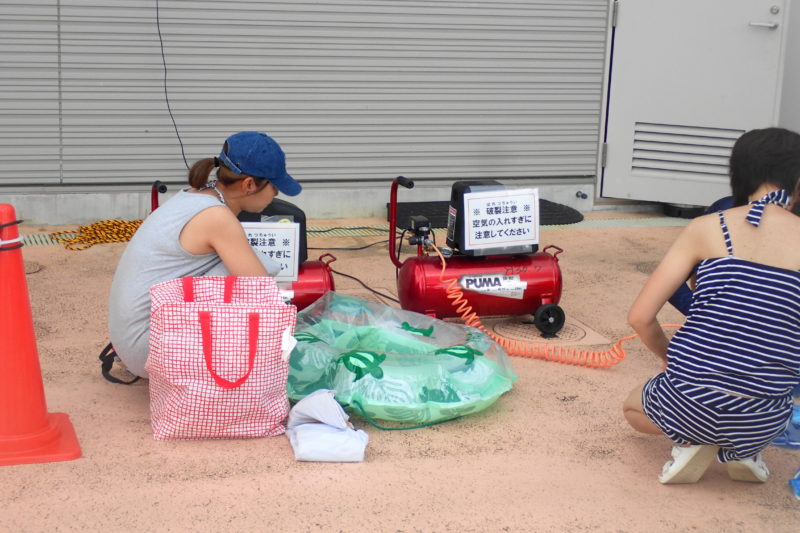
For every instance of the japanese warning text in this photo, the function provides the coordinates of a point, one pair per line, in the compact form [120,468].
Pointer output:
[277,241]
[495,219]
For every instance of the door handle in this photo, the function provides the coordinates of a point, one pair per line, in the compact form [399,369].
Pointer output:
[768,25]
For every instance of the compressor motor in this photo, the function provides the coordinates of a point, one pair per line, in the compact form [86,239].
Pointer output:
[457,230]
[492,252]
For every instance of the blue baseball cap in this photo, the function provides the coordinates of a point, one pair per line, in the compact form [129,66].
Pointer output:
[258,155]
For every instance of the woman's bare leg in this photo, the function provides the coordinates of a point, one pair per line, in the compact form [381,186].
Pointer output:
[634,413]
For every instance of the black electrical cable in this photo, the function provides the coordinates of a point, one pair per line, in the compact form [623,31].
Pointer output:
[166,94]
[360,248]
[399,247]
[345,228]
[370,289]
[346,248]
[400,241]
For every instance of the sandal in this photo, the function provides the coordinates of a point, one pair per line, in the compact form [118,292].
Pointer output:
[688,463]
[752,469]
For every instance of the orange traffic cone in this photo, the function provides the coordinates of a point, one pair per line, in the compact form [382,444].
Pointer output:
[28,433]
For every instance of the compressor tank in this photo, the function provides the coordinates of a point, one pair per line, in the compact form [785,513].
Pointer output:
[314,279]
[494,285]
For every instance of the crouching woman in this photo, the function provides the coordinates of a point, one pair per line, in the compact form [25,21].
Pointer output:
[728,372]
[196,233]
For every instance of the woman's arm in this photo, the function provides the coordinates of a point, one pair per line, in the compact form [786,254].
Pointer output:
[670,274]
[217,229]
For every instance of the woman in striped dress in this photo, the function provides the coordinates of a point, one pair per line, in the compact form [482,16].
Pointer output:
[728,372]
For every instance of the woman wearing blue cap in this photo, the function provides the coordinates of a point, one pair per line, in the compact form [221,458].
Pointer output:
[196,233]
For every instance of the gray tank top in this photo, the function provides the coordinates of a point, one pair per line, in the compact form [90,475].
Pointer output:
[154,255]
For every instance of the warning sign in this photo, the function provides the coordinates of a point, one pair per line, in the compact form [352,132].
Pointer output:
[495,219]
[278,241]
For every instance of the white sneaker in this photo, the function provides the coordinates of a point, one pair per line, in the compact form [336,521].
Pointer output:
[688,463]
[752,469]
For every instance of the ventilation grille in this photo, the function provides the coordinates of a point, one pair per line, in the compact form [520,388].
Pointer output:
[688,152]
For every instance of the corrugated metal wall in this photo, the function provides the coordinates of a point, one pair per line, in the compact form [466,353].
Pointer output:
[353,90]
[29,93]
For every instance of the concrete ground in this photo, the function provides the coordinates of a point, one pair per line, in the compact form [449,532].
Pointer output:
[552,455]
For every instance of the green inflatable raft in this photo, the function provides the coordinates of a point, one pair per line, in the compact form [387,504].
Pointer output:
[390,364]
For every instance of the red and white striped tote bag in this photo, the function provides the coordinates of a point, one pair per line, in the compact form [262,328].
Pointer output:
[217,364]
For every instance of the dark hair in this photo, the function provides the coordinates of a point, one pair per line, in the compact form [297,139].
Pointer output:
[794,203]
[198,174]
[769,155]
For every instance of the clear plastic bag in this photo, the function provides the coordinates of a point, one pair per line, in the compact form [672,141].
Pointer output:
[390,364]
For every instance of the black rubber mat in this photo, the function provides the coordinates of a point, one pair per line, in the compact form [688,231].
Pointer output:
[435,212]
[553,214]
[550,213]
[683,211]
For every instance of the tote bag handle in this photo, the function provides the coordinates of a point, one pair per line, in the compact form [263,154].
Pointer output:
[252,340]
[188,289]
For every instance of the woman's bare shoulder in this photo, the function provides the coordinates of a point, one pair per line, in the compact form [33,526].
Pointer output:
[208,221]
[218,212]
[782,214]
[705,224]
[705,233]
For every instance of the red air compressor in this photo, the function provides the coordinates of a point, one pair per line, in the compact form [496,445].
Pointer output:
[513,280]
[314,279]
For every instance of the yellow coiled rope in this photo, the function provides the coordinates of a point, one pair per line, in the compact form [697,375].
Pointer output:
[97,233]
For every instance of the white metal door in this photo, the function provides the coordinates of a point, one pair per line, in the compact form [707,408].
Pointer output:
[687,78]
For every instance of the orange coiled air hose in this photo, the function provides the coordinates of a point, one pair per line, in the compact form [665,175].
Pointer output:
[549,352]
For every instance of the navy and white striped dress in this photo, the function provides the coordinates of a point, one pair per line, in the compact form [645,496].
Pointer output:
[733,364]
